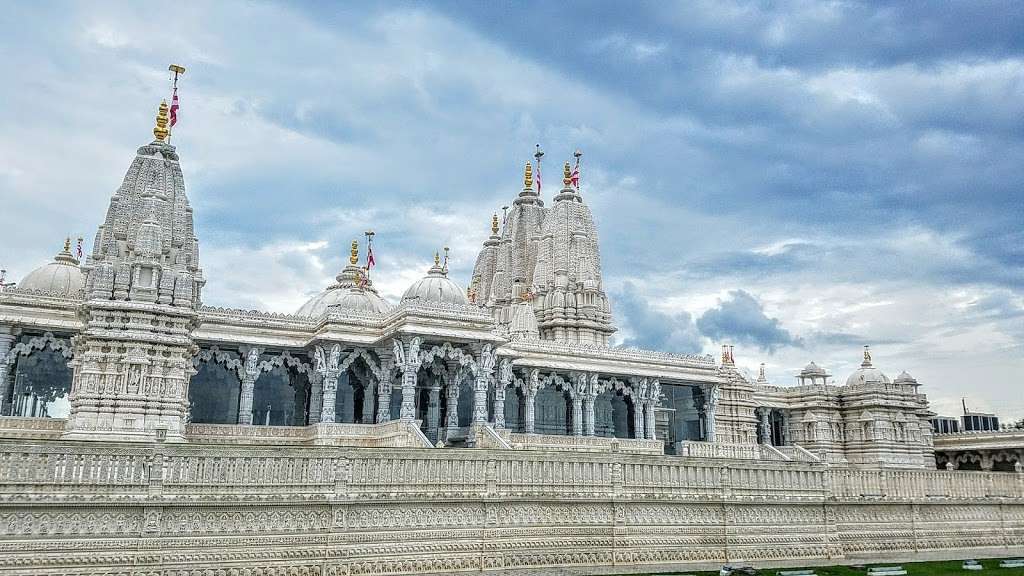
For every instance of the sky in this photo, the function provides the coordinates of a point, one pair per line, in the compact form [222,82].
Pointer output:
[797,179]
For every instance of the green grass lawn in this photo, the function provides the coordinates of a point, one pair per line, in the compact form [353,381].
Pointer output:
[913,569]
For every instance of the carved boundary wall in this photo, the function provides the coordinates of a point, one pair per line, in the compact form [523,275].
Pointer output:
[175,510]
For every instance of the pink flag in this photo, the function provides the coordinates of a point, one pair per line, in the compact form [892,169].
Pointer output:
[174,107]
[538,176]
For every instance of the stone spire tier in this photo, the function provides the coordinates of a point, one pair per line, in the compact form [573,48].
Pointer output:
[133,360]
[549,258]
[571,303]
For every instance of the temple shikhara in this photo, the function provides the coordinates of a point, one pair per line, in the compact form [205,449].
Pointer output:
[478,427]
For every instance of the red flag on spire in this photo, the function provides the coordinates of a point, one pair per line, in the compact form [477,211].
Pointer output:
[174,107]
[370,262]
[575,176]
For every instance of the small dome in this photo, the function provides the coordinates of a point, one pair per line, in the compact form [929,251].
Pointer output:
[435,287]
[361,300]
[61,277]
[351,291]
[905,378]
[867,373]
[344,298]
[812,369]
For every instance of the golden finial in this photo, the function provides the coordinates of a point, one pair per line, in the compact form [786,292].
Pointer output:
[437,258]
[528,178]
[160,131]
[67,244]
[353,256]
[566,175]
[494,224]
[867,355]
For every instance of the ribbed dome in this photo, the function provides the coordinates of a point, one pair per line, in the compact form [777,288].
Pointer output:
[62,276]
[867,373]
[905,378]
[349,292]
[350,298]
[435,287]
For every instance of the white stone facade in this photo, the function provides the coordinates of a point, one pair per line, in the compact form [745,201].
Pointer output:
[492,430]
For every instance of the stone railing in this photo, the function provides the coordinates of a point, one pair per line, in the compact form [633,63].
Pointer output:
[79,470]
[82,507]
[924,484]
[795,452]
[394,434]
[31,428]
[724,450]
[520,441]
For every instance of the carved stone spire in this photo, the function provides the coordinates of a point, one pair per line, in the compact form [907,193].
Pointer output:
[130,380]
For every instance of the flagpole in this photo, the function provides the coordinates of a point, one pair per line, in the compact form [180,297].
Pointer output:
[577,154]
[177,70]
[538,155]
[369,251]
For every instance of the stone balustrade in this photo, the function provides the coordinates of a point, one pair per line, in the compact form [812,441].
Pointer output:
[520,441]
[50,467]
[278,509]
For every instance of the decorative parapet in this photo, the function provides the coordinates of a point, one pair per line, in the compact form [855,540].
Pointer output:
[605,352]
[74,471]
[585,444]
[242,316]
[35,297]
[723,450]
[394,434]
[31,428]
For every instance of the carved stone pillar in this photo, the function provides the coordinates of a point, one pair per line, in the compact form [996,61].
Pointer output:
[505,378]
[451,410]
[249,372]
[480,400]
[588,414]
[577,414]
[408,412]
[766,427]
[368,401]
[384,394]
[639,386]
[407,359]
[638,418]
[649,420]
[316,398]
[653,399]
[329,395]
[245,399]
[433,412]
[709,412]
[532,386]
[485,369]
[590,394]
[6,342]
[329,369]
[499,406]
